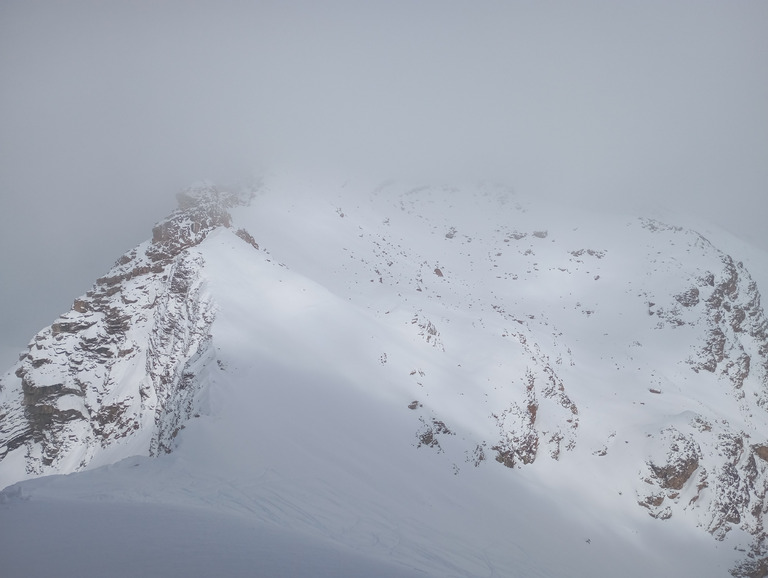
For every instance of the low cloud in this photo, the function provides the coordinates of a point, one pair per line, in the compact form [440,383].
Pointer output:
[108,108]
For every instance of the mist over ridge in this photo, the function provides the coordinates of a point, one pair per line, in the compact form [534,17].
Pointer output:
[108,110]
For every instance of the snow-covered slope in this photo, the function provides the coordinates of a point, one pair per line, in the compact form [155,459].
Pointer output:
[453,380]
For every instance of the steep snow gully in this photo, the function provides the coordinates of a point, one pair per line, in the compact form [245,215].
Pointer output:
[299,379]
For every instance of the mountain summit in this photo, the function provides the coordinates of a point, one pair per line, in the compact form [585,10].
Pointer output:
[455,381]
[114,375]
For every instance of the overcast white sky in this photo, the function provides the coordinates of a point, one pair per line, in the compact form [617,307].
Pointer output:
[107,108]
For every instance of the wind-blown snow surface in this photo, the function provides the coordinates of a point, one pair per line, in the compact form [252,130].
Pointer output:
[377,359]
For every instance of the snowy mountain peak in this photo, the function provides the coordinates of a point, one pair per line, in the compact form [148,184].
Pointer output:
[113,376]
[202,208]
[456,336]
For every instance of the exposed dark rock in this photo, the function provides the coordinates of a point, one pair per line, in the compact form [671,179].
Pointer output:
[591,252]
[201,210]
[761,451]
[751,569]
[478,455]
[673,476]
[68,367]
[247,237]
[689,298]
[428,331]
[430,431]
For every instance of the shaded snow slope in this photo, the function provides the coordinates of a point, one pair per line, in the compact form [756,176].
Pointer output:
[453,380]
[81,538]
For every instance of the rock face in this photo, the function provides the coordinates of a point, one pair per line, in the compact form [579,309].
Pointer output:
[706,465]
[123,366]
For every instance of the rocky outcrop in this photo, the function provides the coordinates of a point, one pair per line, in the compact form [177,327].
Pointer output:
[522,434]
[122,366]
[201,210]
[736,346]
[706,466]
[519,437]
[430,433]
[181,324]
[672,472]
